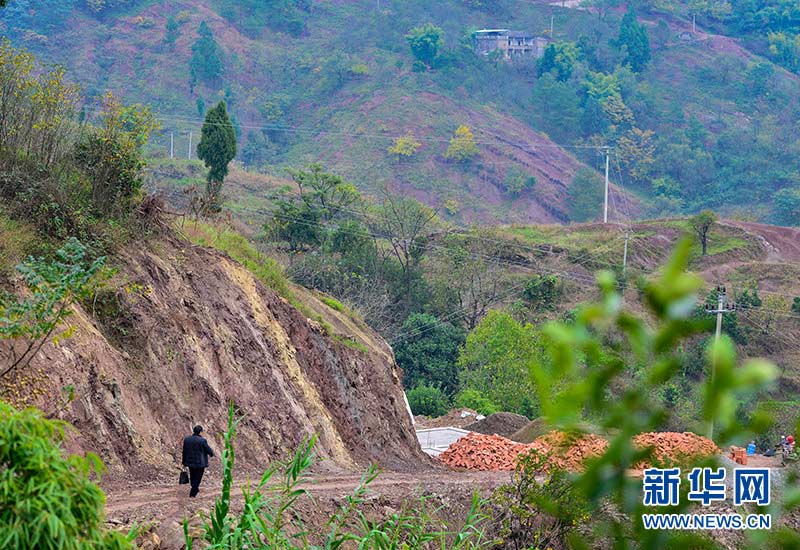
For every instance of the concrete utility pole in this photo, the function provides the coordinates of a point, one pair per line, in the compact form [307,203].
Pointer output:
[551,25]
[172,145]
[190,145]
[722,307]
[625,254]
[605,202]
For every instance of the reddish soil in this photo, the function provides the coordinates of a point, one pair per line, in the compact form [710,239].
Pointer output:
[188,332]
[782,243]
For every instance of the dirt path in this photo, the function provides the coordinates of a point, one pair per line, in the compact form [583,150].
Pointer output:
[124,501]
[783,243]
[165,506]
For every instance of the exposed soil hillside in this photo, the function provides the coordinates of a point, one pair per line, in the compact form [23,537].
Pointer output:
[189,331]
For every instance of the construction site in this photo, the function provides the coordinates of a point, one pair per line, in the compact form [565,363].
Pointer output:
[470,446]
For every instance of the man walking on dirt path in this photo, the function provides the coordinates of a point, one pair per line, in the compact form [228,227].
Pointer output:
[195,457]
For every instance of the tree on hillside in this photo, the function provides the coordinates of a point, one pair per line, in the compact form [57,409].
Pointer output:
[559,60]
[112,156]
[602,7]
[786,206]
[585,195]
[662,33]
[406,224]
[216,149]
[496,358]
[636,152]
[709,8]
[429,352]
[425,42]
[206,62]
[326,193]
[172,31]
[518,180]
[477,258]
[462,145]
[701,224]
[633,37]
[405,146]
[784,48]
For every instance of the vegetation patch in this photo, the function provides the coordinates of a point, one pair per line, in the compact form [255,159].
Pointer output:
[264,268]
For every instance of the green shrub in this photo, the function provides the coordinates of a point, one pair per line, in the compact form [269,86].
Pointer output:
[472,399]
[543,292]
[47,500]
[428,400]
[538,509]
[53,285]
[333,303]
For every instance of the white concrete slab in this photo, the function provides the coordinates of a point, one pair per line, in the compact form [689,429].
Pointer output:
[434,441]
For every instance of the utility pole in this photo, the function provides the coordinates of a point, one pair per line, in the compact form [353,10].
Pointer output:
[625,254]
[722,307]
[551,25]
[190,145]
[605,202]
[172,145]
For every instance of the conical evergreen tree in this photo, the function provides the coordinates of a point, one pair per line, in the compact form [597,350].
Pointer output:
[216,149]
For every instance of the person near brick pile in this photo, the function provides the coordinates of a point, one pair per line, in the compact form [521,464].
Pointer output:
[195,457]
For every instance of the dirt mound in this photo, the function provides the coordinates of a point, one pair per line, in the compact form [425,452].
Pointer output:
[456,418]
[674,448]
[189,332]
[502,423]
[530,431]
[568,452]
[493,452]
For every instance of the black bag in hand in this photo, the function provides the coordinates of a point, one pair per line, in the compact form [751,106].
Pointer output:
[183,479]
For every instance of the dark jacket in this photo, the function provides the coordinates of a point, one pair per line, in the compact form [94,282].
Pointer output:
[196,452]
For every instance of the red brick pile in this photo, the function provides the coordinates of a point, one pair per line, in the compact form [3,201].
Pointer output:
[477,451]
[568,452]
[492,452]
[674,448]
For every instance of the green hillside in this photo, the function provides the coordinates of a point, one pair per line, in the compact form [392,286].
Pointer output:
[705,124]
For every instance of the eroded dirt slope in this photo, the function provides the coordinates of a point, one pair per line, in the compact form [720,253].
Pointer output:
[188,331]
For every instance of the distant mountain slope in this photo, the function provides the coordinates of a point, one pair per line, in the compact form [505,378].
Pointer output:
[334,81]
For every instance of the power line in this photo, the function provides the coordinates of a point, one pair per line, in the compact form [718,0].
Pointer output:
[363,135]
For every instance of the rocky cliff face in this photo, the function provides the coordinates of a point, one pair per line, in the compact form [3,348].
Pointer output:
[185,332]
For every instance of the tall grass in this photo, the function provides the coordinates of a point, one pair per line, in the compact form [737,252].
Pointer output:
[270,520]
[264,268]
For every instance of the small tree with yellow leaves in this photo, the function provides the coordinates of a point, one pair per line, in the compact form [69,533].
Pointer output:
[462,145]
[404,147]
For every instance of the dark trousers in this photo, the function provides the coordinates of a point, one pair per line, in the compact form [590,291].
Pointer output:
[195,476]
